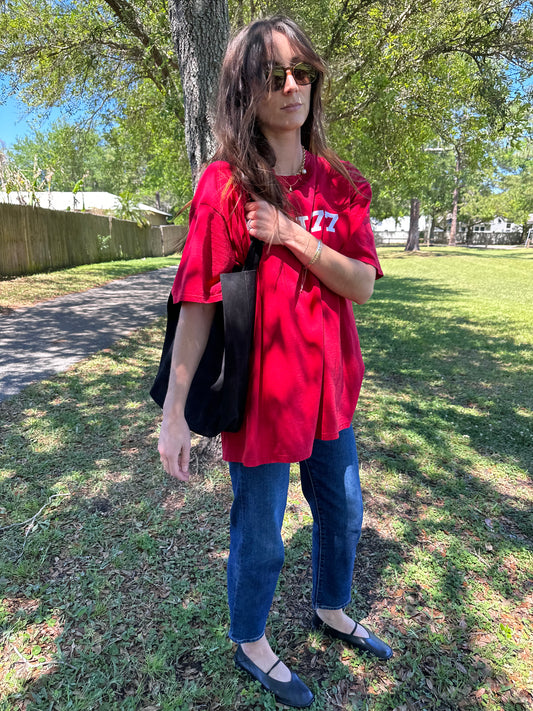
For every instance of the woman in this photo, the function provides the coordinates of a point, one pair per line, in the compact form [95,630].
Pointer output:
[273,178]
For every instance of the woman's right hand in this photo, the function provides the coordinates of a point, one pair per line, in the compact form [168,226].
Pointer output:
[192,333]
[175,446]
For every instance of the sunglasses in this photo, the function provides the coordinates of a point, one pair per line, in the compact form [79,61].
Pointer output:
[302,73]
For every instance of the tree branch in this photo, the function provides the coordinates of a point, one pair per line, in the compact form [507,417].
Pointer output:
[126,14]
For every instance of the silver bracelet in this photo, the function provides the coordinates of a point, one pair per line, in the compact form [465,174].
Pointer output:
[316,255]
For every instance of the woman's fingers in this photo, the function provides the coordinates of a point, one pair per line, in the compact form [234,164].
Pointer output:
[262,220]
[175,448]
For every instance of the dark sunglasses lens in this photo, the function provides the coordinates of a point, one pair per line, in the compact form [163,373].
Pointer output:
[304,73]
[277,78]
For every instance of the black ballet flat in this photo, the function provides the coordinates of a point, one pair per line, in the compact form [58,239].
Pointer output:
[291,693]
[370,644]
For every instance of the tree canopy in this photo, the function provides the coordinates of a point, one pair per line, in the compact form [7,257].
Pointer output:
[406,77]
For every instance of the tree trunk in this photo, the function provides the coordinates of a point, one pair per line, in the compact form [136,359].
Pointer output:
[429,231]
[452,239]
[200,32]
[414,233]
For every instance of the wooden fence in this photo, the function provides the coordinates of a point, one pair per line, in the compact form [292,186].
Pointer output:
[34,239]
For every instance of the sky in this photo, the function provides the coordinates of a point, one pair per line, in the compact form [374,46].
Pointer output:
[11,123]
[15,123]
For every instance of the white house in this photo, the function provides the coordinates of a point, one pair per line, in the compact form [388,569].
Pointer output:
[499,225]
[395,230]
[95,202]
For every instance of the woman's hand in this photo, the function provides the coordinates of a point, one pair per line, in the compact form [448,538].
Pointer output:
[175,446]
[191,337]
[267,223]
[345,276]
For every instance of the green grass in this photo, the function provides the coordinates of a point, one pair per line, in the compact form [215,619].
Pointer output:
[114,597]
[16,292]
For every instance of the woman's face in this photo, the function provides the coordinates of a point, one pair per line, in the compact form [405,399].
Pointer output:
[284,110]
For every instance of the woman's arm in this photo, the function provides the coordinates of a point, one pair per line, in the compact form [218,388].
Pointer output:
[345,276]
[190,341]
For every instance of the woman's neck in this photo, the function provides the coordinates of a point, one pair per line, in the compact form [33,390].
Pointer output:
[288,151]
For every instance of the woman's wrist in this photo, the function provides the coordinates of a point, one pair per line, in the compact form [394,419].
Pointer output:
[300,242]
[316,255]
[174,405]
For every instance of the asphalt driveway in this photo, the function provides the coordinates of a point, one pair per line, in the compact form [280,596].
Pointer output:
[39,341]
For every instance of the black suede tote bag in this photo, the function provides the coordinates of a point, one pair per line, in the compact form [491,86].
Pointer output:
[217,397]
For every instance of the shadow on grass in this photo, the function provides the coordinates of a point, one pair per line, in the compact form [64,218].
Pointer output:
[449,376]
[119,602]
[445,426]
[119,598]
[121,583]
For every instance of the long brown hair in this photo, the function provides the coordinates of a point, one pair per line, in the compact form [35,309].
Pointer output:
[242,85]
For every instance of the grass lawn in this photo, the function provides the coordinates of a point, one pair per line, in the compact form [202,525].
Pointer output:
[112,577]
[16,292]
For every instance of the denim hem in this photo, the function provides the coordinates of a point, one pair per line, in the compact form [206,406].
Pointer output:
[244,641]
[331,607]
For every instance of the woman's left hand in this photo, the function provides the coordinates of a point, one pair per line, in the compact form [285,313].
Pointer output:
[345,276]
[267,223]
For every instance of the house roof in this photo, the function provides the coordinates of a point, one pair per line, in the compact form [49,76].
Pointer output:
[82,200]
[148,208]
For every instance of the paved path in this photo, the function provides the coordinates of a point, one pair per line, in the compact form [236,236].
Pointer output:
[39,341]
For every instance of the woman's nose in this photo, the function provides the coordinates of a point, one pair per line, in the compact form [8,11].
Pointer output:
[290,83]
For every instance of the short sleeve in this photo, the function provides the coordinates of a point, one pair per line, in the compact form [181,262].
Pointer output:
[361,244]
[209,250]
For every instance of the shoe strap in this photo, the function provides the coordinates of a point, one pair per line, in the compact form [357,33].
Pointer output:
[273,666]
[365,629]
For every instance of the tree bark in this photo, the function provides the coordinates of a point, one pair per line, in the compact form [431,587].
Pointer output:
[428,233]
[452,239]
[200,30]
[432,230]
[414,232]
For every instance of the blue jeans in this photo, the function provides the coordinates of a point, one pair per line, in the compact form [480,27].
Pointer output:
[330,483]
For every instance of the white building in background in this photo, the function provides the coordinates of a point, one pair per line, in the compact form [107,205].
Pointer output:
[498,225]
[64,201]
[395,230]
[94,202]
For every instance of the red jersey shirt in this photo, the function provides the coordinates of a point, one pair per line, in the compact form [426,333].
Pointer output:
[306,367]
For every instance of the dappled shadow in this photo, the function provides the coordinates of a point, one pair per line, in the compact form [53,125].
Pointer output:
[456,398]
[124,579]
[125,575]
[39,341]
[478,383]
